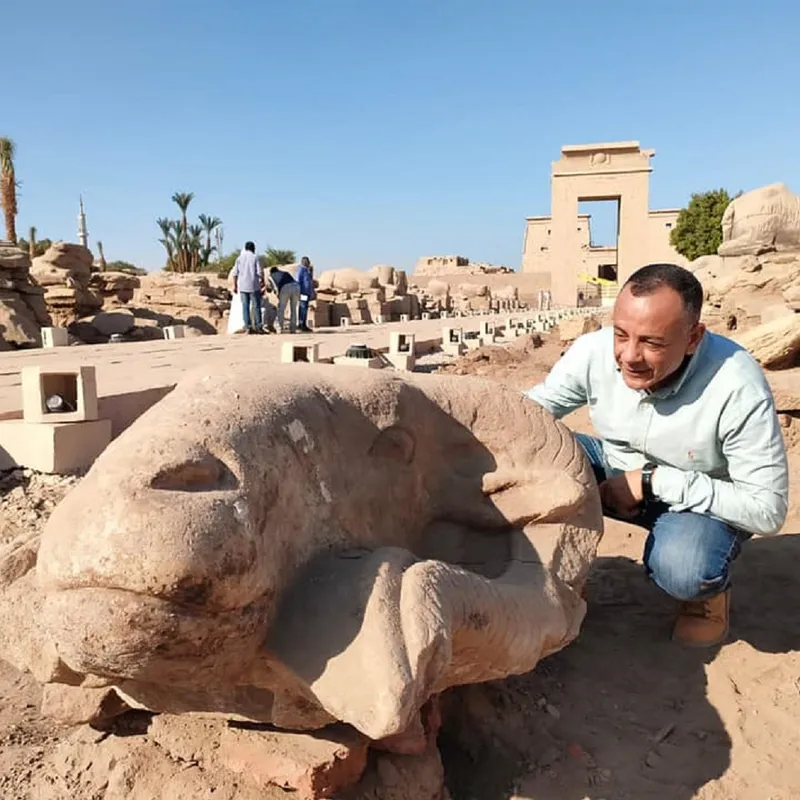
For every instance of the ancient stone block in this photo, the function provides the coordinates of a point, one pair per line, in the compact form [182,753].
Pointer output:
[775,344]
[401,342]
[65,395]
[174,331]
[60,447]
[297,352]
[55,337]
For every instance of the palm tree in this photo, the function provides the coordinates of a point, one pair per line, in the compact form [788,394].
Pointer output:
[182,200]
[279,258]
[32,242]
[167,241]
[210,224]
[102,256]
[8,188]
[194,246]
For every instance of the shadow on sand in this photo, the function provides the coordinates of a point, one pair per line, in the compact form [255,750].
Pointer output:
[622,712]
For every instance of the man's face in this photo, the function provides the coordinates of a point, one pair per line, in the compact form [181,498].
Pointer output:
[652,335]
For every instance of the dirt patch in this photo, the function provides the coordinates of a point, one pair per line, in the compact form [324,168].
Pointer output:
[519,365]
[27,499]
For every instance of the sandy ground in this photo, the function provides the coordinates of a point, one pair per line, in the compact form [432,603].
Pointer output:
[621,714]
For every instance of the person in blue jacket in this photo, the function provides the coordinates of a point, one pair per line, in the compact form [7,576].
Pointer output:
[305,277]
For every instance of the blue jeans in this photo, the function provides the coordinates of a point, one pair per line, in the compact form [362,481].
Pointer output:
[253,298]
[303,313]
[688,555]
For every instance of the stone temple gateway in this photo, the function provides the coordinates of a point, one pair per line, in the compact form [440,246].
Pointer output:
[558,249]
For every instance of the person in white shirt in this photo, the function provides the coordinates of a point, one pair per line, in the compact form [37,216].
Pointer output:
[689,445]
[248,283]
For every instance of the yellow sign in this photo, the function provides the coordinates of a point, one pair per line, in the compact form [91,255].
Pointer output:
[592,279]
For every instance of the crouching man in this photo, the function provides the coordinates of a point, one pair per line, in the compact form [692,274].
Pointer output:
[689,446]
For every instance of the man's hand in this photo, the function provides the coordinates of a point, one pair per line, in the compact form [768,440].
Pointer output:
[622,494]
[235,286]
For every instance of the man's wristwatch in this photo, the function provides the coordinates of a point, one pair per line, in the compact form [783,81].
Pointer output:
[647,482]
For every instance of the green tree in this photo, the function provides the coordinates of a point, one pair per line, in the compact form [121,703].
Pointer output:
[39,248]
[125,266]
[182,200]
[8,188]
[188,246]
[225,264]
[698,231]
[209,224]
[279,258]
[32,242]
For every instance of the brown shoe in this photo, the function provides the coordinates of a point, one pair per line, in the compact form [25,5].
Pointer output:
[703,623]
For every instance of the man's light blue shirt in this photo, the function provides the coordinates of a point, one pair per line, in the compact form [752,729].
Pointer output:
[248,272]
[713,433]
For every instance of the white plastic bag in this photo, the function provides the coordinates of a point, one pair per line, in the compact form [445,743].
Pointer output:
[236,314]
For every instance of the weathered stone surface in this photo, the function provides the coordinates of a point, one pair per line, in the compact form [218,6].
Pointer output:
[22,310]
[347,280]
[114,287]
[775,344]
[76,705]
[745,288]
[399,777]
[17,323]
[776,311]
[762,220]
[791,294]
[710,266]
[191,758]
[384,273]
[183,299]
[571,328]
[310,766]
[120,320]
[65,271]
[283,545]
[473,289]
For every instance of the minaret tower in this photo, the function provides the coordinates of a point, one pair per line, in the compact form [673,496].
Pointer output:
[83,234]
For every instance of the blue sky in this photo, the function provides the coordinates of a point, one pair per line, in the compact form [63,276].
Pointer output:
[377,131]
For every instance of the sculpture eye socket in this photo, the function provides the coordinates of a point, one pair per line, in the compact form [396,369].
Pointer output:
[204,474]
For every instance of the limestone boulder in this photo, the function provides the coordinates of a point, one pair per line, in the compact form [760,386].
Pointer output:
[290,546]
[709,266]
[471,290]
[747,289]
[507,292]
[571,328]
[791,295]
[183,299]
[22,308]
[118,321]
[347,280]
[64,271]
[760,221]
[439,290]
[18,325]
[776,311]
[775,344]
[384,273]
[114,287]
[400,282]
